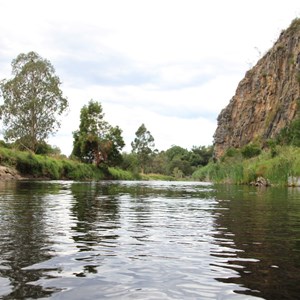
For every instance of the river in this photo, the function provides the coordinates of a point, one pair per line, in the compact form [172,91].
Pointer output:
[148,240]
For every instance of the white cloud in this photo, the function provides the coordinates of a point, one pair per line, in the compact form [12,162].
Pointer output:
[171,64]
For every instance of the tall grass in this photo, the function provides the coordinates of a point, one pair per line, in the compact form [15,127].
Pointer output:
[238,170]
[119,174]
[39,166]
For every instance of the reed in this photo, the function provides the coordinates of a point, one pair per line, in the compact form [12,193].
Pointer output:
[240,170]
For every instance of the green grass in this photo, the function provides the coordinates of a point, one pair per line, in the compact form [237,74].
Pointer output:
[238,170]
[119,174]
[39,166]
[152,176]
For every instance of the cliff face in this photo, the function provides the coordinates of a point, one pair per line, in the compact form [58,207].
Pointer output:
[266,99]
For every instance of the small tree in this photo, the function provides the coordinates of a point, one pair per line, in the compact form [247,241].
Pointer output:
[143,146]
[97,141]
[250,150]
[32,101]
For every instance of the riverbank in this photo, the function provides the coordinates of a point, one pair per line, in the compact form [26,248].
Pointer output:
[276,166]
[17,165]
[7,173]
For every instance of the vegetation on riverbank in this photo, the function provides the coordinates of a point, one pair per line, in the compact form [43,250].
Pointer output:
[278,165]
[39,166]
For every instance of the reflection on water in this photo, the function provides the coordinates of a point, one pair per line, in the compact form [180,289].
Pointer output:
[148,240]
[263,224]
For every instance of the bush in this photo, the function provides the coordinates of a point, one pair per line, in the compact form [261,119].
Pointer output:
[250,150]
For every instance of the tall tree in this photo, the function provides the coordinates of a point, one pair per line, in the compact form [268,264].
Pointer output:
[96,141]
[32,101]
[143,146]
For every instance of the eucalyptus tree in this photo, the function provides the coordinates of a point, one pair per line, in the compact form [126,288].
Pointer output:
[32,101]
[96,141]
[143,146]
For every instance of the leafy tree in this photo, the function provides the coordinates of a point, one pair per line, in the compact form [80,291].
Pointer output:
[178,158]
[143,146]
[114,136]
[130,162]
[177,152]
[32,101]
[200,156]
[96,140]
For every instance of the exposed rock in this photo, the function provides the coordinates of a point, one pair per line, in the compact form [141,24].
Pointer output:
[7,173]
[266,99]
[260,181]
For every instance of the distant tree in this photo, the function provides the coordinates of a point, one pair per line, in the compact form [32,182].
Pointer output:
[130,162]
[143,146]
[96,141]
[178,160]
[116,142]
[200,156]
[177,152]
[32,101]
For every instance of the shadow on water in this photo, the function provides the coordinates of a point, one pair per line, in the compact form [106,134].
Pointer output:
[263,224]
[23,237]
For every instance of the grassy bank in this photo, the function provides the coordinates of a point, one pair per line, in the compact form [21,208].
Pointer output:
[40,166]
[276,165]
[31,165]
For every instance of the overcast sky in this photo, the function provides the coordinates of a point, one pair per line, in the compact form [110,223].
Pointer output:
[170,64]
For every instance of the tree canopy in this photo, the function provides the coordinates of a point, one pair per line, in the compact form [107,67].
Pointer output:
[32,101]
[143,146]
[96,141]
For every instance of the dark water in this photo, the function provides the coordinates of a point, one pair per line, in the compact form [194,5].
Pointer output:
[148,240]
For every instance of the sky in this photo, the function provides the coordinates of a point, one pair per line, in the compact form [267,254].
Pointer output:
[170,64]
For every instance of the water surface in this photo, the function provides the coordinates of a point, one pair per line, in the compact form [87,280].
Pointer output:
[148,240]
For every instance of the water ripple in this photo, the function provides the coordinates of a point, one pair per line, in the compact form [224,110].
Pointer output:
[126,240]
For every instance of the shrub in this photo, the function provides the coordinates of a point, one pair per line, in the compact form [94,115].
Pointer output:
[231,152]
[250,150]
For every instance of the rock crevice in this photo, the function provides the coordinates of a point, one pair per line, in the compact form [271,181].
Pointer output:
[266,98]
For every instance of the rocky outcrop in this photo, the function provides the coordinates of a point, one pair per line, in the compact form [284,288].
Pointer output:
[266,99]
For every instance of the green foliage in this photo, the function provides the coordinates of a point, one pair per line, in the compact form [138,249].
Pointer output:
[250,150]
[119,174]
[175,161]
[32,101]
[96,141]
[143,146]
[3,144]
[40,166]
[290,135]
[46,149]
[177,173]
[276,169]
[272,145]
[231,152]
[200,156]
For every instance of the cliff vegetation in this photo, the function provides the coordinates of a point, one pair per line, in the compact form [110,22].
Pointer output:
[266,99]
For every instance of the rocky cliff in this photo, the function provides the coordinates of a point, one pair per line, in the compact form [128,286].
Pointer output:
[266,99]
